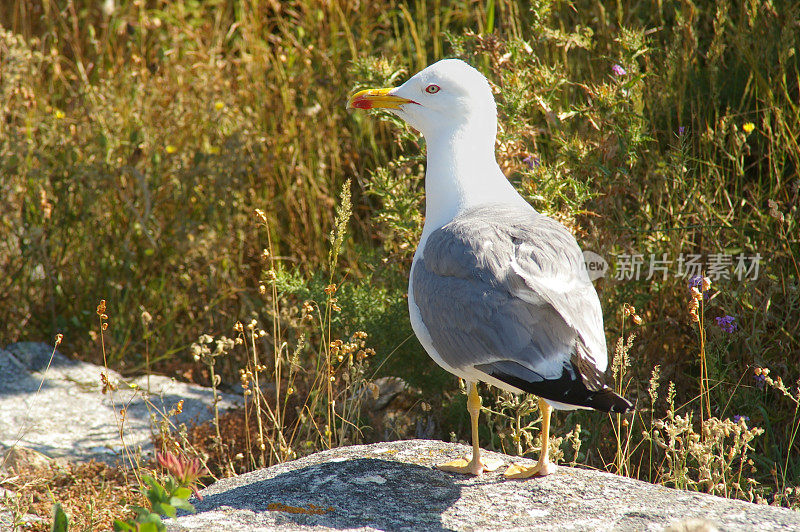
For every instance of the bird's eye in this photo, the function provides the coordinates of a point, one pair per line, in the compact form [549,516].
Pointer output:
[432,89]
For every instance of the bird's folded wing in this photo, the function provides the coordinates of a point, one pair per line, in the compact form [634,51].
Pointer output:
[508,287]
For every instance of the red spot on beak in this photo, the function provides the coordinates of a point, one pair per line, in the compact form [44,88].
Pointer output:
[376,99]
[361,103]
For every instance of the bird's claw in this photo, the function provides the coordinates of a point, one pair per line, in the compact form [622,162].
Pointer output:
[465,466]
[517,470]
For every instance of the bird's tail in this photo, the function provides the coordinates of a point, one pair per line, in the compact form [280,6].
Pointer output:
[608,401]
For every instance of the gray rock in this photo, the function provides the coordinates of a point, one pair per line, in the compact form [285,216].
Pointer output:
[381,391]
[71,417]
[17,459]
[393,486]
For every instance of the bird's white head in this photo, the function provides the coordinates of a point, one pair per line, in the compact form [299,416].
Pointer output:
[449,96]
[452,105]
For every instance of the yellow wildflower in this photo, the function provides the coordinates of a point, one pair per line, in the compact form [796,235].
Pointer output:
[748,127]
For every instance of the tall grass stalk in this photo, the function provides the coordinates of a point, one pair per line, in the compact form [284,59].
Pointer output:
[336,239]
[652,391]
[697,313]
[619,366]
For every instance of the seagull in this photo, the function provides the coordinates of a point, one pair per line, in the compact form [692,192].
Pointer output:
[498,292]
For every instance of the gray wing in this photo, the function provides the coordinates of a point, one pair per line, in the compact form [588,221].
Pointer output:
[504,290]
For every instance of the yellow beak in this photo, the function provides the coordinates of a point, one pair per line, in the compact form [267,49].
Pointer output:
[376,99]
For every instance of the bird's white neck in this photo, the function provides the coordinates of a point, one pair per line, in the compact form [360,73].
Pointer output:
[462,173]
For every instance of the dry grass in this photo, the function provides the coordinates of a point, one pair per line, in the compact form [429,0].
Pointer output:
[93,494]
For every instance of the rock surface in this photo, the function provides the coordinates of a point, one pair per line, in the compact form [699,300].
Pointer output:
[70,417]
[393,486]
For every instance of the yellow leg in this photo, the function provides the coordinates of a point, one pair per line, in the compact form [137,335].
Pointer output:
[544,466]
[474,466]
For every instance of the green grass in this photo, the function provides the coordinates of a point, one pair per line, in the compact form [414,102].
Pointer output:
[135,146]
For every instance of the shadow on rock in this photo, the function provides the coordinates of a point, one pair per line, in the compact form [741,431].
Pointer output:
[382,494]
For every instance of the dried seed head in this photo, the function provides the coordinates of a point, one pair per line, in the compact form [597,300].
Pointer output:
[695,317]
[773,210]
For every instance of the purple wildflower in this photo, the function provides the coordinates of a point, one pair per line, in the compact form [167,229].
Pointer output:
[760,380]
[618,70]
[532,161]
[726,323]
[696,281]
[681,131]
[738,418]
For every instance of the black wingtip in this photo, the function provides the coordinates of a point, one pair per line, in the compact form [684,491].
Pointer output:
[608,401]
[566,390]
